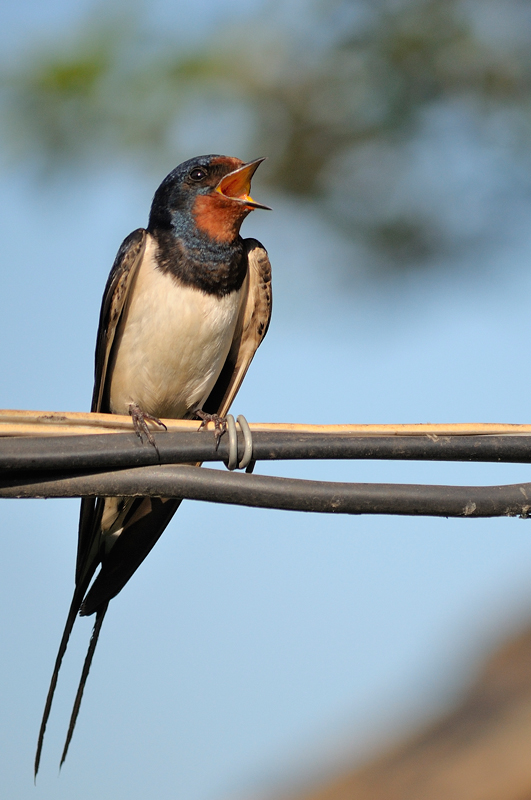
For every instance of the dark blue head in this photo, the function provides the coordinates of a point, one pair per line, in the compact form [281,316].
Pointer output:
[208,195]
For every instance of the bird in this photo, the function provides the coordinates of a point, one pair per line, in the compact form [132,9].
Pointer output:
[186,305]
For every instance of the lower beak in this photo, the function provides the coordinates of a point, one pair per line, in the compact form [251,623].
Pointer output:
[237,185]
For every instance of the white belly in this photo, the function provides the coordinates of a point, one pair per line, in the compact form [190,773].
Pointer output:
[171,345]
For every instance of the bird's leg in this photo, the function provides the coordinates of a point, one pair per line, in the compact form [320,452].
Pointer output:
[220,423]
[140,419]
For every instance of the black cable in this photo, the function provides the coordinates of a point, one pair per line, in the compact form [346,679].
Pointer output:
[106,451]
[283,493]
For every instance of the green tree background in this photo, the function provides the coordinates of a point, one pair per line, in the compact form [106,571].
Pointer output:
[354,102]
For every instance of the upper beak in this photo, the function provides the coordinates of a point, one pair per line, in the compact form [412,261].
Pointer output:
[237,185]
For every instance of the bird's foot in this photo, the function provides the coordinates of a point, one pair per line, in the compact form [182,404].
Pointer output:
[140,420]
[220,423]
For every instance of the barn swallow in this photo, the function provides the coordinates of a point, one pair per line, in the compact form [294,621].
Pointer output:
[186,305]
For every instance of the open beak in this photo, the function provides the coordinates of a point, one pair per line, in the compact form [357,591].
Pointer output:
[237,185]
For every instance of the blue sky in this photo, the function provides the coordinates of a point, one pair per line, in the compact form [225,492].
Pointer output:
[251,643]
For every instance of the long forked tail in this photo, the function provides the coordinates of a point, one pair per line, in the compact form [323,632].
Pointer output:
[72,614]
[100,615]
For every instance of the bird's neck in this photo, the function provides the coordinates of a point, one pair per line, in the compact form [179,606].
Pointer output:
[193,259]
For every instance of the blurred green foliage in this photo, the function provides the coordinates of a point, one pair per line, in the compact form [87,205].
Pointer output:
[340,104]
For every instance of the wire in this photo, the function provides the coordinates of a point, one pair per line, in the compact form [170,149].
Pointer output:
[290,494]
[106,451]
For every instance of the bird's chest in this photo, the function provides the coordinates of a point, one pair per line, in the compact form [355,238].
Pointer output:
[171,345]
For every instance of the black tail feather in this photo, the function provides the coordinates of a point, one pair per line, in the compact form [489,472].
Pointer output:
[72,614]
[100,615]
[141,532]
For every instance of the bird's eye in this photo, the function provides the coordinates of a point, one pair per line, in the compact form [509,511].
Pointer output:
[198,174]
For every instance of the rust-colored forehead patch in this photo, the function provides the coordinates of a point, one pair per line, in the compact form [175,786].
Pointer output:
[218,217]
[228,162]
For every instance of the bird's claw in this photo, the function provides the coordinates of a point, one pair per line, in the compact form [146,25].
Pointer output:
[140,419]
[220,423]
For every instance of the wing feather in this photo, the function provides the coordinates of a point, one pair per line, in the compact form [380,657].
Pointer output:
[252,325]
[116,292]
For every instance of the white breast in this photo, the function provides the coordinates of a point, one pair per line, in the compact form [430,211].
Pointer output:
[171,344]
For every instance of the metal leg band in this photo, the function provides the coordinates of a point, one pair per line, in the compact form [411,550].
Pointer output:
[247,459]
[248,439]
